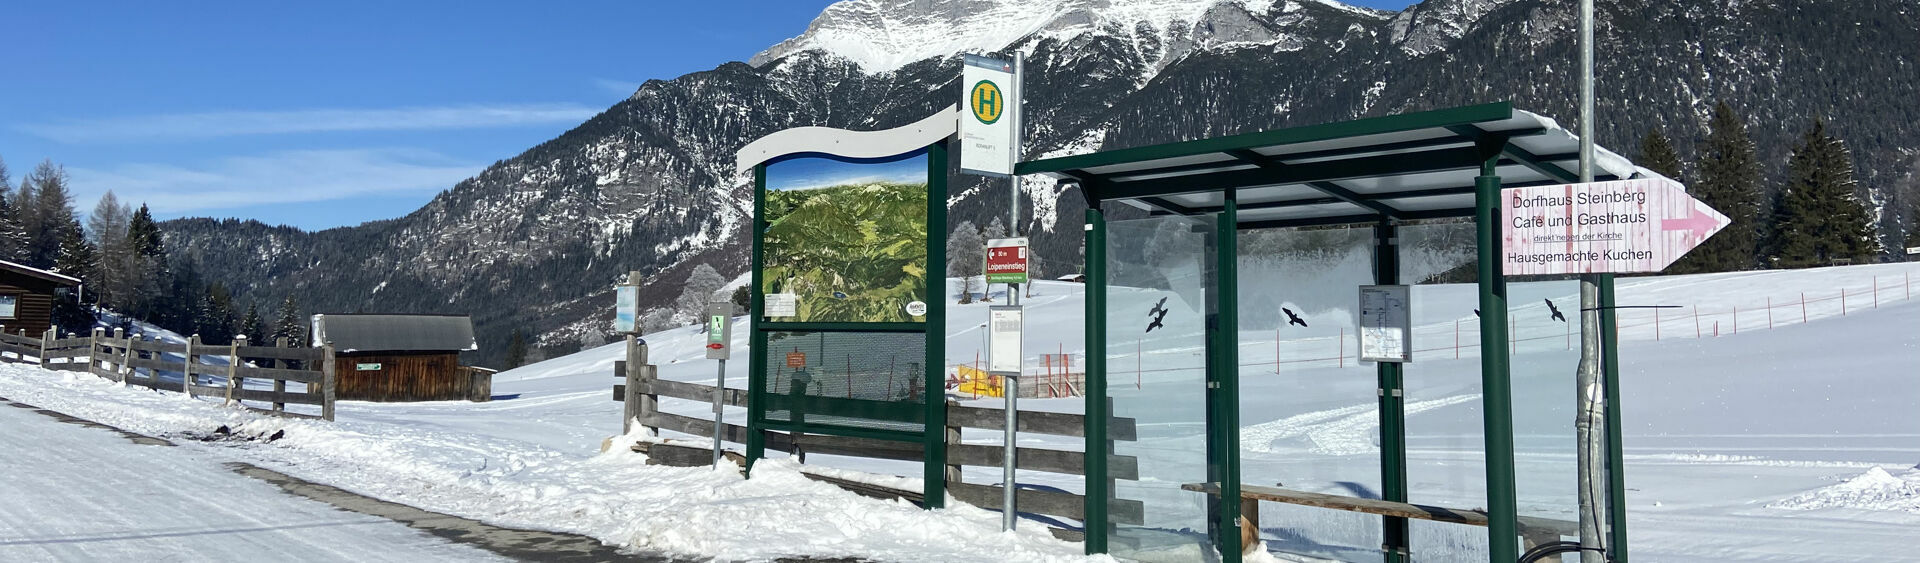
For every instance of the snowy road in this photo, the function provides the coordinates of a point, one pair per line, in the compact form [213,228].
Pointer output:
[71,493]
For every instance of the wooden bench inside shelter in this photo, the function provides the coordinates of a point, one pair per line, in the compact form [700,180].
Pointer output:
[1533,530]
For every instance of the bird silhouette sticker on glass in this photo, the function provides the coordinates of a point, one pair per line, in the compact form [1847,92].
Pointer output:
[1159,313]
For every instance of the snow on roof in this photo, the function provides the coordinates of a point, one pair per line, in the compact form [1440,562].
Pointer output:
[39,273]
[394,333]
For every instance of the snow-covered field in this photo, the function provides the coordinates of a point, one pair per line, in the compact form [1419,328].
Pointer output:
[1795,443]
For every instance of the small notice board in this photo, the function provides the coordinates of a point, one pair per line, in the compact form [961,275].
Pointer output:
[1004,325]
[1386,324]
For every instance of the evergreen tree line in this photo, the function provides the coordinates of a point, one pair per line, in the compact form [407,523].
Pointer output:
[120,256]
[1815,217]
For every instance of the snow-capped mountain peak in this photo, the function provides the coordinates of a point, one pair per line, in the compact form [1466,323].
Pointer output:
[883,35]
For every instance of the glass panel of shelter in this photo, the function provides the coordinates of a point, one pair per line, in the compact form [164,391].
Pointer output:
[1446,437]
[1308,407]
[1159,271]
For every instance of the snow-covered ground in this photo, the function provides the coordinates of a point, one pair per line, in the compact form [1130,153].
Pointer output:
[1789,443]
[81,494]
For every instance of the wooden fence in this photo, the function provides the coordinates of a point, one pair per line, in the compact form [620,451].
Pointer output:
[1052,503]
[143,361]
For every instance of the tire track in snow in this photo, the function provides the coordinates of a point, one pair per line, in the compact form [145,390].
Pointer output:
[1341,431]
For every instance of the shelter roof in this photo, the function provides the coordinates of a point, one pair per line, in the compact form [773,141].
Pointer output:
[1409,166]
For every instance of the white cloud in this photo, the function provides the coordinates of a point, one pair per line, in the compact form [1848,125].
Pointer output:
[235,123]
[275,178]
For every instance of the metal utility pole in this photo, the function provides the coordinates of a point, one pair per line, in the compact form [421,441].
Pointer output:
[1011,391]
[1588,422]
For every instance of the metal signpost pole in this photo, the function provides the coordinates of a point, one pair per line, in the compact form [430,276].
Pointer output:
[719,347]
[1011,390]
[1587,382]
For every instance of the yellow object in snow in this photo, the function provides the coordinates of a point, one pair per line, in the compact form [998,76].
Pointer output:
[978,383]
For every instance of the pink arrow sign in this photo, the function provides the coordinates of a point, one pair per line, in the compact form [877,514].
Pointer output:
[1601,227]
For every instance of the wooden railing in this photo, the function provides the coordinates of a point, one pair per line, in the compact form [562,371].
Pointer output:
[1051,503]
[143,361]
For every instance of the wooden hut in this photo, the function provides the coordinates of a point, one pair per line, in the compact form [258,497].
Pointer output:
[27,295]
[398,358]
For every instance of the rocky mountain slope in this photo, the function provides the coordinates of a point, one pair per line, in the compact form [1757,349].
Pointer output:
[537,240]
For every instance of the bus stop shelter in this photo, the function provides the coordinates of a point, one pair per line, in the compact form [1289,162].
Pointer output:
[1167,234]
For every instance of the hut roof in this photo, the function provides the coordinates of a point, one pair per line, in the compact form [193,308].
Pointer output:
[394,333]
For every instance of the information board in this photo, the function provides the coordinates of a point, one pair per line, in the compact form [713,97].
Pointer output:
[1386,324]
[1005,323]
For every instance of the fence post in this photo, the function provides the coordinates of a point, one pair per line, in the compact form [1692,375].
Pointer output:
[1696,320]
[280,385]
[952,434]
[119,363]
[1736,319]
[1769,312]
[233,368]
[328,382]
[153,369]
[1876,292]
[93,350]
[636,359]
[1803,307]
[46,342]
[1656,324]
[1843,301]
[186,366]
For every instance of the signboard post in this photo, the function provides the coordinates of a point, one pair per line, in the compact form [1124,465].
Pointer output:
[1622,226]
[1006,324]
[1007,260]
[719,347]
[1386,327]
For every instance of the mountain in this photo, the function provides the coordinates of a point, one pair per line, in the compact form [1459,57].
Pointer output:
[537,241]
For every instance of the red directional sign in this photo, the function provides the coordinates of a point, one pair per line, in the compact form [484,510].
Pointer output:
[1007,260]
[1601,227]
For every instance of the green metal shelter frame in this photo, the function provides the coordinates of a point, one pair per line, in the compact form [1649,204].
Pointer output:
[856,416]
[1448,163]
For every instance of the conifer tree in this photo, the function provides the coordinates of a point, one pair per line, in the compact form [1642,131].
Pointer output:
[1819,216]
[516,350]
[147,266]
[250,325]
[50,214]
[76,259]
[1729,182]
[1657,154]
[13,239]
[290,325]
[216,323]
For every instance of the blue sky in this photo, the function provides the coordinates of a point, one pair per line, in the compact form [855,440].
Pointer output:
[322,114]
[808,173]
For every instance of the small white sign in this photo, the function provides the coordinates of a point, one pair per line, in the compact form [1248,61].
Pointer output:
[917,309]
[1386,327]
[626,308]
[1005,323]
[782,305]
[1914,250]
[989,104]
